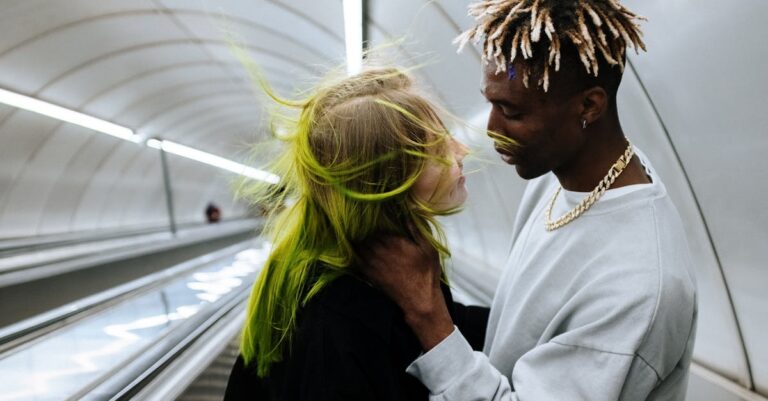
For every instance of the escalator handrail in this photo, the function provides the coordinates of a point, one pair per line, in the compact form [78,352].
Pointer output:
[35,272]
[13,337]
[131,377]
[35,245]
[181,374]
[38,243]
[41,242]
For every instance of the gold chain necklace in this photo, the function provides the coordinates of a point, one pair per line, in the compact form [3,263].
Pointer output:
[593,196]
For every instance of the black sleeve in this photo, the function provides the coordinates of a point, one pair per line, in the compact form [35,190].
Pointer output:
[472,321]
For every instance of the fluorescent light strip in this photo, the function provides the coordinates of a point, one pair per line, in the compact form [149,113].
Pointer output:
[213,160]
[66,115]
[353,33]
[106,127]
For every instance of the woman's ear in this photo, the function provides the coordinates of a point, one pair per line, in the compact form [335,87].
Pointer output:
[594,104]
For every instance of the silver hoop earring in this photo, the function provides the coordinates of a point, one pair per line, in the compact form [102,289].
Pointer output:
[583,124]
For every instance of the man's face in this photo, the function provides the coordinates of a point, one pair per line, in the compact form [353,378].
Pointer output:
[546,126]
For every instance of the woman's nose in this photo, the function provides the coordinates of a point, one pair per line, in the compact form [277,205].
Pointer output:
[461,150]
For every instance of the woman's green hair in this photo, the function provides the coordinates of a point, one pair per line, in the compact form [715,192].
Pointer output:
[351,155]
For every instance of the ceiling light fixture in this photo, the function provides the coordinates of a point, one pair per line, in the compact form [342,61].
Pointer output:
[213,160]
[106,127]
[353,33]
[66,115]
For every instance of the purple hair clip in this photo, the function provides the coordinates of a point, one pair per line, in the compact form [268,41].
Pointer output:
[511,72]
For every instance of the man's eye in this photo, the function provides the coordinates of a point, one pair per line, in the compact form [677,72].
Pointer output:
[508,114]
[511,115]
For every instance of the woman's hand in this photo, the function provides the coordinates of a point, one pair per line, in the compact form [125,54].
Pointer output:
[409,272]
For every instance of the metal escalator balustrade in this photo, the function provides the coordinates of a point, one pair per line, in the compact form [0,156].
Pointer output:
[16,335]
[43,260]
[70,362]
[212,383]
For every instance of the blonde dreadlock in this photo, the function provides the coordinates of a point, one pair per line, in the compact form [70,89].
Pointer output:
[515,26]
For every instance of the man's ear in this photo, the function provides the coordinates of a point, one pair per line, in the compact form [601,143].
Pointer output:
[594,104]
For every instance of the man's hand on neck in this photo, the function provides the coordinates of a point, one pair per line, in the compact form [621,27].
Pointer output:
[409,273]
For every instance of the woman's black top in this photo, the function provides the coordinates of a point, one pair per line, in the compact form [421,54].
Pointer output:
[351,344]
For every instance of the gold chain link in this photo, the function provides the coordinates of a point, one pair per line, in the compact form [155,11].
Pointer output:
[593,196]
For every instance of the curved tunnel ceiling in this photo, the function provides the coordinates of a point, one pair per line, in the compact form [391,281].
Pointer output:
[107,48]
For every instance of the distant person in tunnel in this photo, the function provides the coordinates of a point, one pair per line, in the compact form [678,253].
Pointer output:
[212,213]
[367,154]
[597,299]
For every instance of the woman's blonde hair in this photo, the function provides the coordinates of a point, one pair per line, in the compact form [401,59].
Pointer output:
[350,159]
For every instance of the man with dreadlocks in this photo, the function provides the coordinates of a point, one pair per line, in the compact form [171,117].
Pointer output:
[597,301]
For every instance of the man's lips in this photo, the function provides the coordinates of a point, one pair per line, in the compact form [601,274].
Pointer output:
[507,156]
[503,151]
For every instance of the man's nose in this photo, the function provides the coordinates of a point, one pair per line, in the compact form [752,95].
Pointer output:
[493,128]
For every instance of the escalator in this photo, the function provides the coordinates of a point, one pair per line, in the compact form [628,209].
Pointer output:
[212,383]
[117,344]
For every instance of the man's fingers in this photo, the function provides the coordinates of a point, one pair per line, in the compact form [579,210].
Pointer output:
[419,239]
[376,244]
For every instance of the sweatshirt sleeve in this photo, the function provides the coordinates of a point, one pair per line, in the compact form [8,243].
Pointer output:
[549,372]
[453,371]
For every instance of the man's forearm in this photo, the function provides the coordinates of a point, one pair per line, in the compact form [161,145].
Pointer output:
[432,325]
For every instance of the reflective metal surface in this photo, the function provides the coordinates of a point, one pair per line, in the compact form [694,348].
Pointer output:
[65,362]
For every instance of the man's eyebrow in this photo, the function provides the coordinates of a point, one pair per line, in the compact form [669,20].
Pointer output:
[501,102]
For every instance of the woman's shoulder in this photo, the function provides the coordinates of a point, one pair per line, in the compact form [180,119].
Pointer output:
[351,320]
[349,303]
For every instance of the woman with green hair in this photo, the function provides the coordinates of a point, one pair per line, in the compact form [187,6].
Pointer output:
[366,156]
